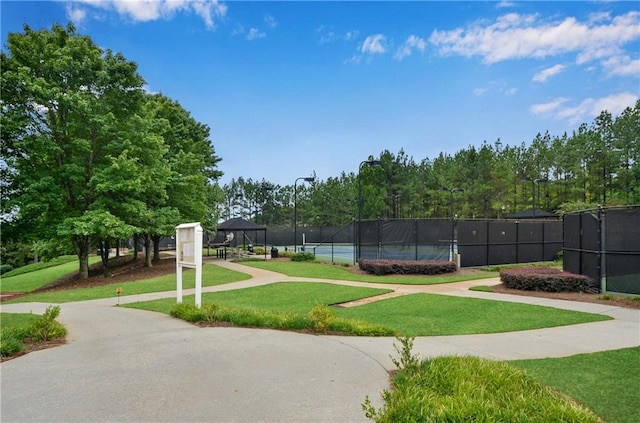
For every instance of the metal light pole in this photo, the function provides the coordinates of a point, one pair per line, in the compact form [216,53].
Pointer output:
[368,163]
[295,209]
[533,191]
[451,191]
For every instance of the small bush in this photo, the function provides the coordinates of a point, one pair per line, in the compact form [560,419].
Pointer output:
[45,327]
[400,267]
[11,342]
[321,316]
[187,312]
[546,279]
[303,256]
[5,268]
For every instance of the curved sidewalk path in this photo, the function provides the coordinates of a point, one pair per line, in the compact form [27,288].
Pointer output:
[127,365]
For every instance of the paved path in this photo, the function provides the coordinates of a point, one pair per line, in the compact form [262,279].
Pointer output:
[126,365]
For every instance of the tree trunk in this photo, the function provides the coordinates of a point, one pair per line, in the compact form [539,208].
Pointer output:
[118,248]
[136,238]
[156,248]
[104,255]
[147,251]
[82,243]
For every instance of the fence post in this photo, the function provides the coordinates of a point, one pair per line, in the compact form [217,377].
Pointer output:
[602,274]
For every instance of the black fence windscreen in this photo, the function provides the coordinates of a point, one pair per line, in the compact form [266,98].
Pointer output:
[490,242]
[604,244]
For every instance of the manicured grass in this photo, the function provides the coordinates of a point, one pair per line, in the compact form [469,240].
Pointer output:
[470,389]
[606,382]
[15,320]
[411,315]
[429,314]
[38,275]
[211,275]
[288,297]
[16,329]
[40,265]
[327,271]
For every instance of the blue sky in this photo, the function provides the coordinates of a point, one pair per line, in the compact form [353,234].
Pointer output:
[292,88]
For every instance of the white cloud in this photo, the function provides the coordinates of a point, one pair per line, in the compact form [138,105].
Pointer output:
[479,91]
[511,91]
[622,66]
[514,36]
[77,15]
[588,108]
[412,43]
[538,109]
[547,73]
[328,35]
[255,33]
[270,21]
[148,10]
[374,44]
[504,4]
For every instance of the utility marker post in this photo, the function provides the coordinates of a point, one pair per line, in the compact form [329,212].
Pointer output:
[189,254]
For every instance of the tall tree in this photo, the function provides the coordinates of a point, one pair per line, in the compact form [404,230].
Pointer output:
[64,103]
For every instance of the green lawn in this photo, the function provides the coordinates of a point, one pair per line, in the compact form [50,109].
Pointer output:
[411,315]
[606,382]
[211,275]
[35,276]
[328,271]
[430,314]
[15,320]
[287,297]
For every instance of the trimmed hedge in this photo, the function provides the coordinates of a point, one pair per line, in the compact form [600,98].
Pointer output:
[546,279]
[410,267]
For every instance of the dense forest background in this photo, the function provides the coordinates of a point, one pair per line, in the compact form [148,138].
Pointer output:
[597,164]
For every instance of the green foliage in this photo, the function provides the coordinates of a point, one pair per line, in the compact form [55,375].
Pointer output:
[303,256]
[5,268]
[596,163]
[405,358]
[607,382]
[406,267]
[11,342]
[322,317]
[45,327]
[462,389]
[318,320]
[546,279]
[19,327]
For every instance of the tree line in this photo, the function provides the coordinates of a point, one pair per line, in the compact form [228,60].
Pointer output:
[597,164]
[88,157]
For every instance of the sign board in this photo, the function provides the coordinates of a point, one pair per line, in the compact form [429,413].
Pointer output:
[189,254]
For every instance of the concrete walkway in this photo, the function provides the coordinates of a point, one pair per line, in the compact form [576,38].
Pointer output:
[126,365]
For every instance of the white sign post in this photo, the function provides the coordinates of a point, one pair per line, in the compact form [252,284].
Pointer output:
[189,254]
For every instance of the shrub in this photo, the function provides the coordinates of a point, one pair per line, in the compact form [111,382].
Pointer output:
[321,316]
[400,267]
[4,268]
[303,256]
[10,342]
[471,389]
[546,279]
[187,312]
[45,327]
